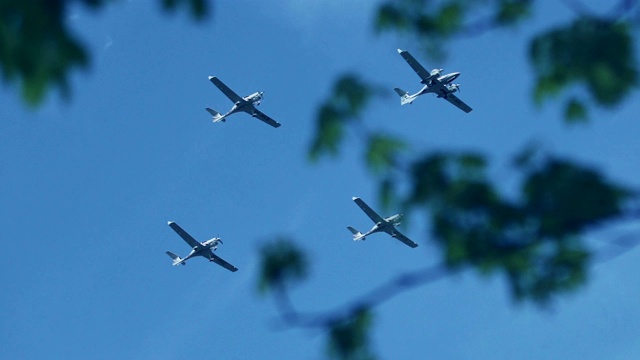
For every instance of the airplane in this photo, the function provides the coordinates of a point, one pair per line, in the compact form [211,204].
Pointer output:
[246,104]
[434,82]
[203,249]
[387,225]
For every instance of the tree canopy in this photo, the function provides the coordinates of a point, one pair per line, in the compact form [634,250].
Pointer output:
[536,239]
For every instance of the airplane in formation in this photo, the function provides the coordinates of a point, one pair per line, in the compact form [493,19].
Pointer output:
[245,104]
[204,249]
[387,225]
[434,82]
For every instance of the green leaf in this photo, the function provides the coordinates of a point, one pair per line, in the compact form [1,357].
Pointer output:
[390,17]
[449,19]
[595,53]
[349,99]
[382,151]
[329,132]
[351,95]
[534,240]
[38,51]
[349,338]
[433,23]
[282,263]
[575,111]
[429,178]
[387,193]
[567,198]
[512,11]
[199,8]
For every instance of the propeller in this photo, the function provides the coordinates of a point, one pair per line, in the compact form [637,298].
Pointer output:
[217,240]
[457,87]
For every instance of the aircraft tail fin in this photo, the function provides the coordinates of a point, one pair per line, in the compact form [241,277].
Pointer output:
[404,96]
[357,235]
[216,115]
[176,259]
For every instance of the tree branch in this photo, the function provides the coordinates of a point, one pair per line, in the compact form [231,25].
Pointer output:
[618,247]
[384,292]
[622,7]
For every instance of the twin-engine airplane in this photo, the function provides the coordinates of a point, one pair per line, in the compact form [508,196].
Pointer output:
[433,82]
[246,104]
[203,249]
[387,225]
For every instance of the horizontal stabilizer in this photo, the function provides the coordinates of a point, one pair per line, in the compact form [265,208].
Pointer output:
[405,98]
[216,115]
[357,235]
[400,92]
[176,259]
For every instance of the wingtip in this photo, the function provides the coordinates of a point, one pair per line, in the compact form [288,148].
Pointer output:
[169,222]
[211,77]
[400,51]
[355,198]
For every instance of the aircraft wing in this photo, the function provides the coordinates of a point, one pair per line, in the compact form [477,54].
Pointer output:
[457,102]
[400,236]
[218,260]
[367,210]
[415,65]
[260,115]
[184,235]
[225,89]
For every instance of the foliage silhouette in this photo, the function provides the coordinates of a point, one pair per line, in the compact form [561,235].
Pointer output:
[39,51]
[536,239]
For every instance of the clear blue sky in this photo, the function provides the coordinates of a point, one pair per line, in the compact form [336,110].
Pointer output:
[87,188]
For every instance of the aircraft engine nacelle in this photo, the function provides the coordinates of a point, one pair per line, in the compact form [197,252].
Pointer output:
[453,87]
[257,99]
[213,243]
[436,72]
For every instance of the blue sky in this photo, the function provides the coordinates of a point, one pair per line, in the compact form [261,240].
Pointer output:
[88,186]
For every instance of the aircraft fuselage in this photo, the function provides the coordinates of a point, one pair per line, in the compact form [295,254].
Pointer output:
[387,225]
[247,104]
[442,89]
[200,250]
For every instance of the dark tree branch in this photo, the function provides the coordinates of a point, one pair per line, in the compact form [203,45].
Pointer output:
[617,247]
[384,292]
[403,283]
[623,7]
[617,11]
[291,317]
[578,7]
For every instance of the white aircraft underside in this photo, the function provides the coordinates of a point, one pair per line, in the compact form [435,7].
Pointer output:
[433,82]
[204,249]
[245,104]
[387,225]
